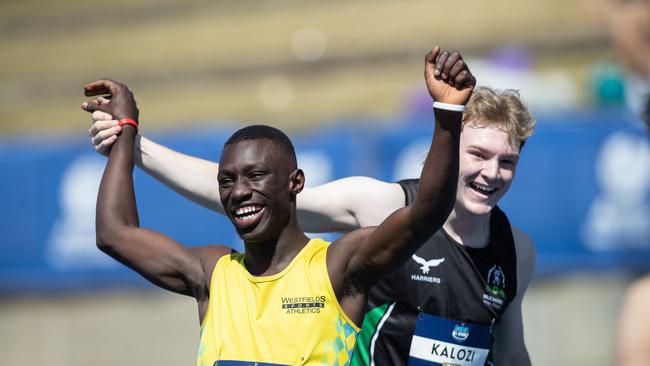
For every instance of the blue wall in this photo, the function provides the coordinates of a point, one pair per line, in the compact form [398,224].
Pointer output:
[582,192]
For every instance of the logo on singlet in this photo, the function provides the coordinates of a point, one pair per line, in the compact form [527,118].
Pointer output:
[495,286]
[425,266]
[303,304]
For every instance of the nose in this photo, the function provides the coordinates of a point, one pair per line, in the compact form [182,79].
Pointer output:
[240,191]
[491,170]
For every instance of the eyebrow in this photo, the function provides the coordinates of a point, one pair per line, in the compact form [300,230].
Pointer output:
[511,156]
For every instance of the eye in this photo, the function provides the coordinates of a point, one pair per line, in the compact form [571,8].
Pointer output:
[256,175]
[509,163]
[477,154]
[226,182]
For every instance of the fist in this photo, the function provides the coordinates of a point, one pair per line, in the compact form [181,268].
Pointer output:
[119,102]
[447,76]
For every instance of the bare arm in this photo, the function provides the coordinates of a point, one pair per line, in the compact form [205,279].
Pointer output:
[380,251]
[193,178]
[156,257]
[633,333]
[509,345]
[347,204]
[338,206]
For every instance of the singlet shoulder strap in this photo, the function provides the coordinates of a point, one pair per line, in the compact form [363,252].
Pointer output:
[410,188]
[500,221]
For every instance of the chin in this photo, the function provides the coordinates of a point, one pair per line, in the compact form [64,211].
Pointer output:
[252,236]
[259,234]
[478,208]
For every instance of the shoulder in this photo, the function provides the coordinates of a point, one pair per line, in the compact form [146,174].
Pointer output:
[526,256]
[349,242]
[208,256]
[523,243]
[341,251]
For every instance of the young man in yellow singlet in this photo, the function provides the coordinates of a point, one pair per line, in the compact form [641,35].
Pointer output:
[287,300]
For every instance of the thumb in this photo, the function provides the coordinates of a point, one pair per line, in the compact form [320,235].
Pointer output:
[92,107]
[101,116]
[430,61]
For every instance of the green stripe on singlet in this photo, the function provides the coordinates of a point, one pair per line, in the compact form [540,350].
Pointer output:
[372,323]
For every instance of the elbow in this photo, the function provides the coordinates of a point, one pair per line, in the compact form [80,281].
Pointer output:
[107,239]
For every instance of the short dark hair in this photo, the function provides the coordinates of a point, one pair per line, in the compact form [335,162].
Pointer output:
[255,132]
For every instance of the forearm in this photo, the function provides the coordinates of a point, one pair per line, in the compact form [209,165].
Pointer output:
[439,178]
[116,207]
[397,237]
[193,178]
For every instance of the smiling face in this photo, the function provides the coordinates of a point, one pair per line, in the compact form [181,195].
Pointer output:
[257,185]
[488,161]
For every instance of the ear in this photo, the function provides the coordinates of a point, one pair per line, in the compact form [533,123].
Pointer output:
[296,181]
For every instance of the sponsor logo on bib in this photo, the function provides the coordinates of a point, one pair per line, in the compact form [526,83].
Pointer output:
[461,332]
[439,341]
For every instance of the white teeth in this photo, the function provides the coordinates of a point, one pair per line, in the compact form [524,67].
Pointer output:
[247,210]
[482,188]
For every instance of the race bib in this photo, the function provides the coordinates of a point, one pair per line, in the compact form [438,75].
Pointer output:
[440,341]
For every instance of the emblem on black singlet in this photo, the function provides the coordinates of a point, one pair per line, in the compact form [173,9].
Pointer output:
[495,288]
[425,265]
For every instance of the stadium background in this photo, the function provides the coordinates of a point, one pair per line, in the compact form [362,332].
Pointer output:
[345,80]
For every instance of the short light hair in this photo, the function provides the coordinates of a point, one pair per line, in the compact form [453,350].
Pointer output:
[501,109]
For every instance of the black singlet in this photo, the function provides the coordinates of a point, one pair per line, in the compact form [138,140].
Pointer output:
[469,285]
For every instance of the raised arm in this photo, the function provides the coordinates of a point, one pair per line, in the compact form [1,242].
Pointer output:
[347,204]
[341,205]
[193,178]
[371,254]
[158,258]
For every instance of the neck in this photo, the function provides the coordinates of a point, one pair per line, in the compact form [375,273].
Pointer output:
[272,256]
[468,229]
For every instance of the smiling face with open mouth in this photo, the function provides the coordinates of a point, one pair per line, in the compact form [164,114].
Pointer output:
[488,161]
[254,188]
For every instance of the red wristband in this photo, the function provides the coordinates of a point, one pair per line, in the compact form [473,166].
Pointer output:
[127,121]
